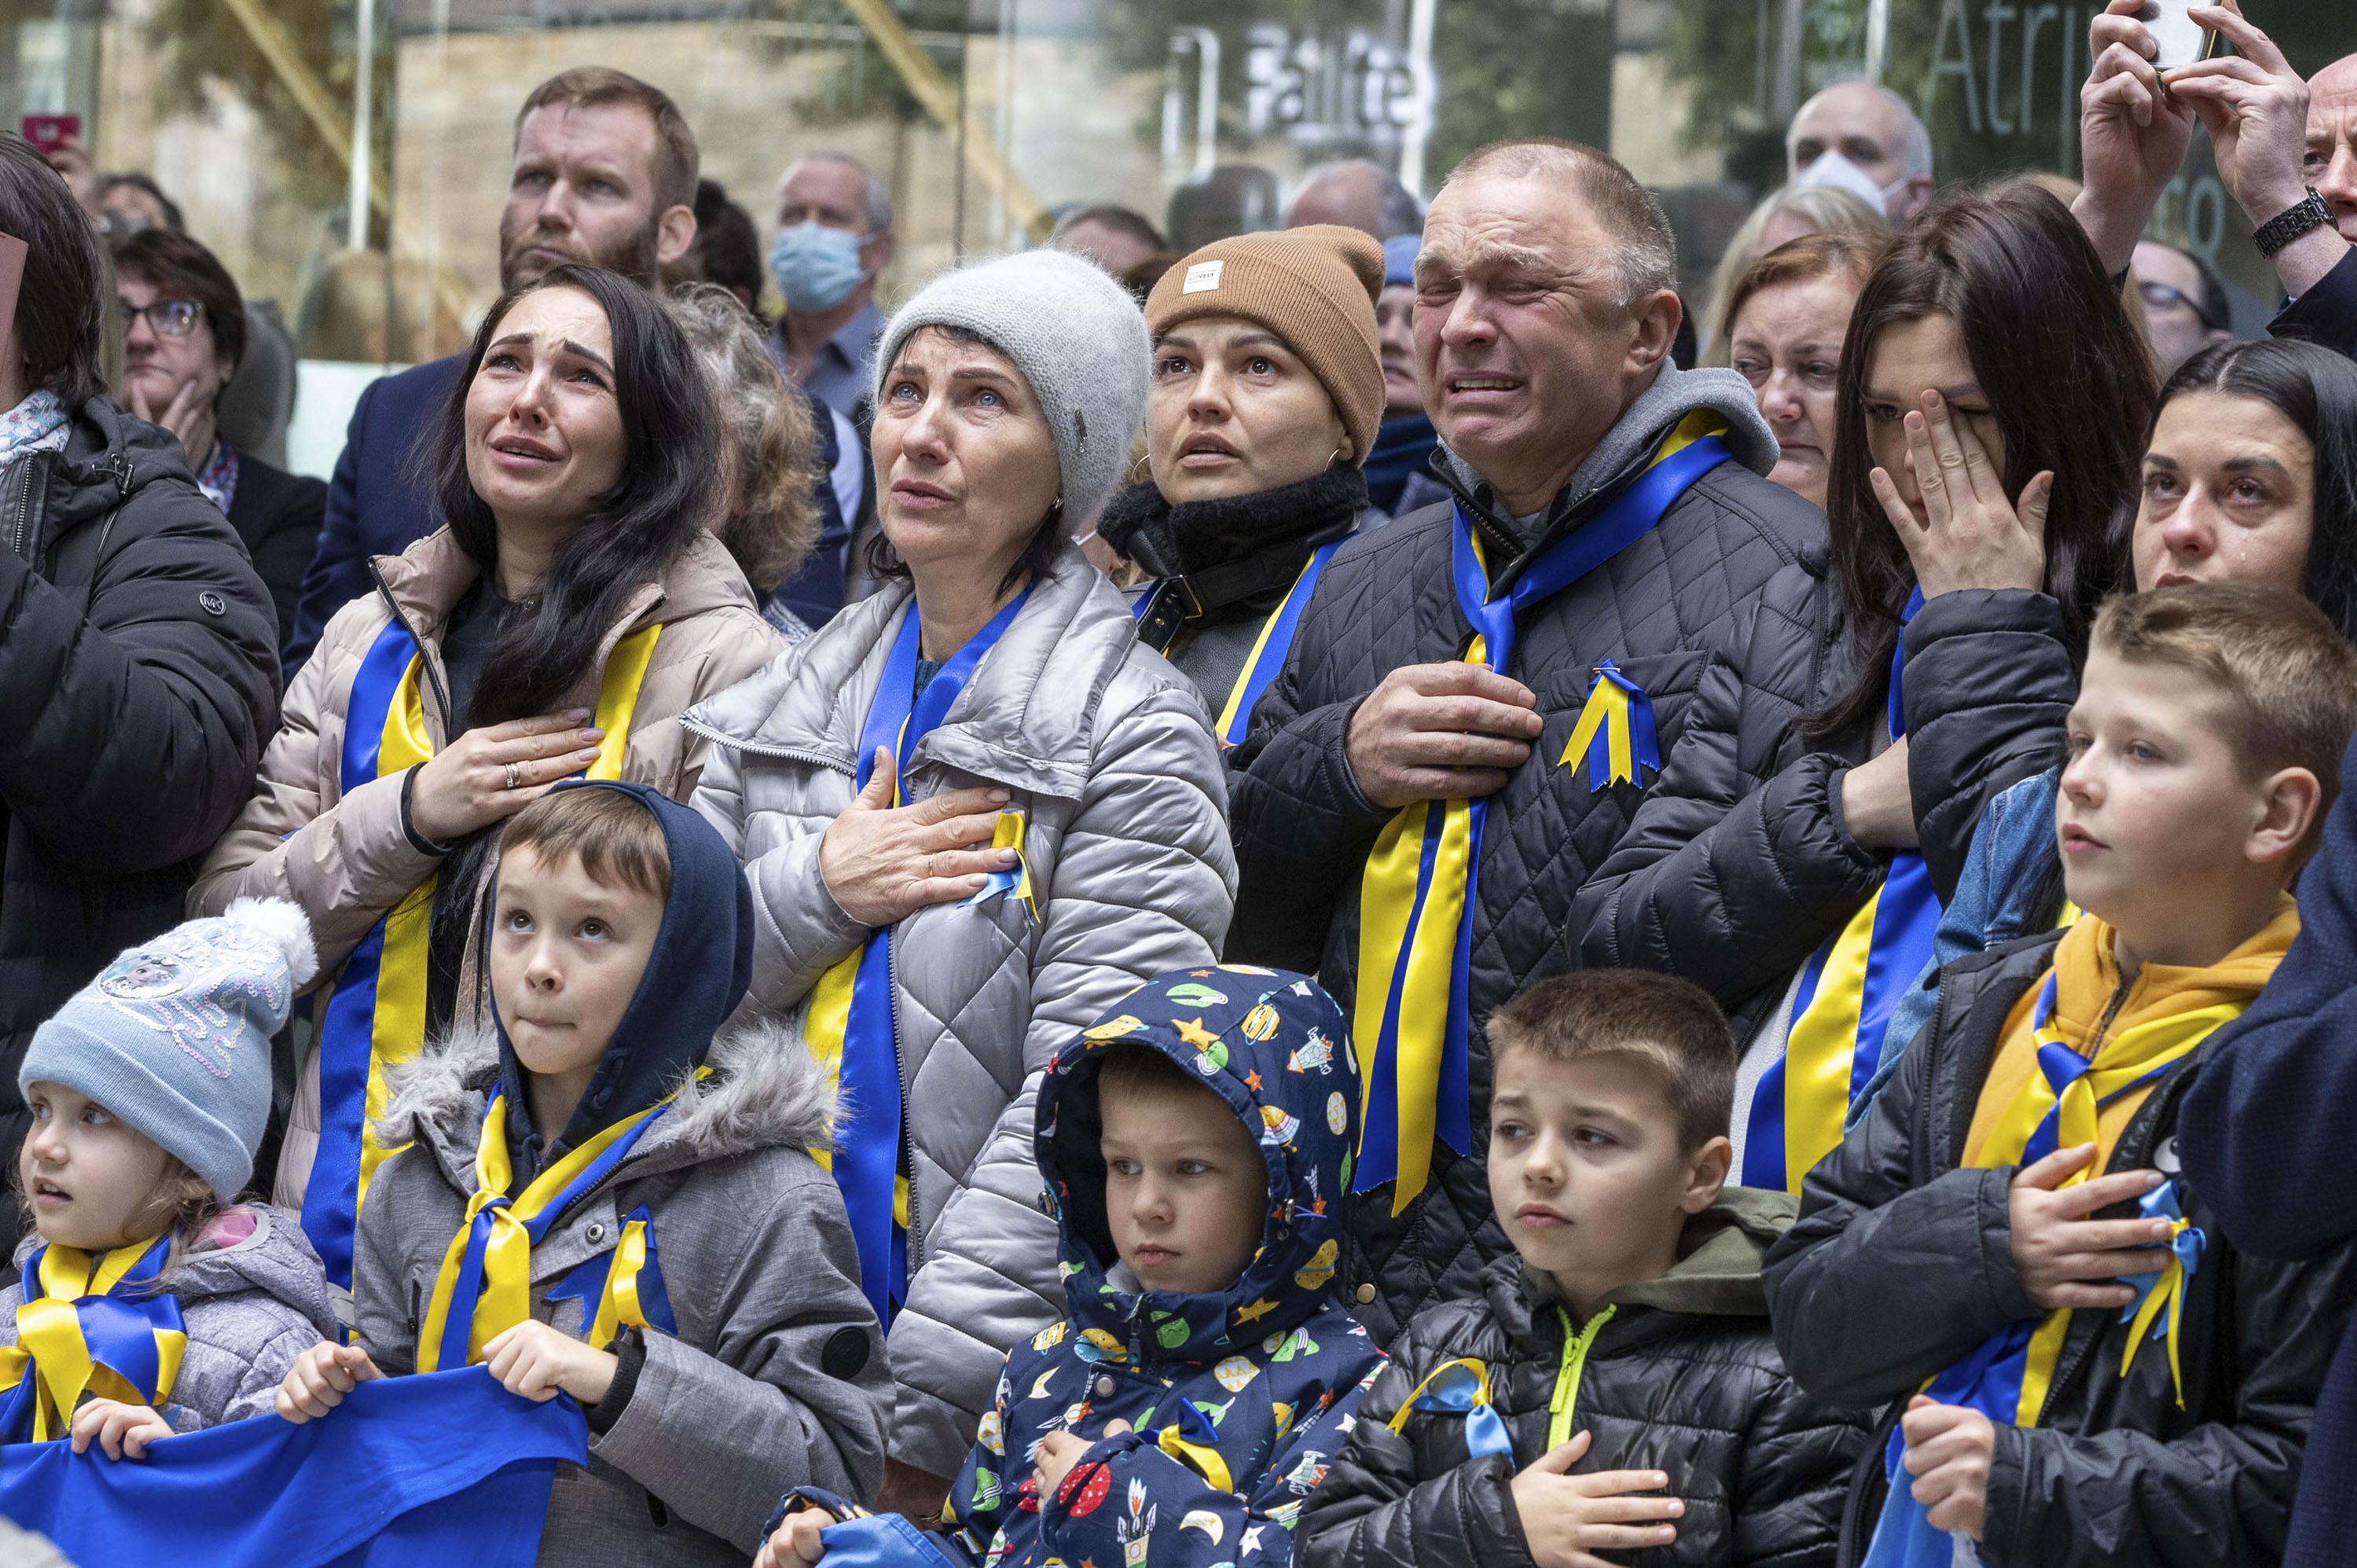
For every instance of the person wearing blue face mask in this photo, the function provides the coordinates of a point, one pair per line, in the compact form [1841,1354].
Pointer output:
[834,238]
[1864,139]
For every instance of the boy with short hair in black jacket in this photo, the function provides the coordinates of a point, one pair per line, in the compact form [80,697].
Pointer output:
[2082,1371]
[1614,1388]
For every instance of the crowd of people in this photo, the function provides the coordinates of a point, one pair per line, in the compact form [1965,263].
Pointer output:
[1348,894]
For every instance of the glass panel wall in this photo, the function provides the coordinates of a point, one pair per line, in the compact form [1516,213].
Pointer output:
[347,158]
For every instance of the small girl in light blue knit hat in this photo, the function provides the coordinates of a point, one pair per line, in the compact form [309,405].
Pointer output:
[151,1301]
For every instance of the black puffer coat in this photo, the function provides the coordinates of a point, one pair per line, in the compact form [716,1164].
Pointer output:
[138,681]
[1901,1264]
[1682,1378]
[1990,678]
[1726,614]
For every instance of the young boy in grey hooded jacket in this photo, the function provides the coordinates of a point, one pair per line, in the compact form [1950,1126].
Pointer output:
[149,1090]
[689,1275]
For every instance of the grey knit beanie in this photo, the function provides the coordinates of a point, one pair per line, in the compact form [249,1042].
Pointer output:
[173,1039]
[1074,333]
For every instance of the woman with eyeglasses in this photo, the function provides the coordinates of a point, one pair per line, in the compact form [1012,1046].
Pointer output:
[2184,308]
[183,330]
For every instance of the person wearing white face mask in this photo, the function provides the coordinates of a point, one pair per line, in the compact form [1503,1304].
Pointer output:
[834,240]
[1864,139]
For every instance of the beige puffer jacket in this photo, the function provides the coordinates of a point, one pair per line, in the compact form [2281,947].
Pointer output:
[345,859]
[1108,753]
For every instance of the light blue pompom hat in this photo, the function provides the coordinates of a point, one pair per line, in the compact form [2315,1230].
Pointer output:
[173,1038]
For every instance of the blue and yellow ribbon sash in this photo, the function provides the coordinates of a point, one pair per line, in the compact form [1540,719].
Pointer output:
[851,1029]
[484,1286]
[2008,1377]
[1842,1005]
[93,1327]
[376,1018]
[1268,650]
[1416,893]
[1615,732]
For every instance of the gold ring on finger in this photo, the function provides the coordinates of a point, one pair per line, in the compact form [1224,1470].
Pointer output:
[515,774]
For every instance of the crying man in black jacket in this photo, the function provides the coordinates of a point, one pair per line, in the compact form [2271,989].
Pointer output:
[1613,1387]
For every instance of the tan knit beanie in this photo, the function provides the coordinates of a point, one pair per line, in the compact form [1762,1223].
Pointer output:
[1314,287]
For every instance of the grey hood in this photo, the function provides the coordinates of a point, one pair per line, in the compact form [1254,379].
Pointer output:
[764,1092]
[1673,394]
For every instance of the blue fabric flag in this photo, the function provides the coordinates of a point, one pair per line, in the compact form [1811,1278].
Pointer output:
[418,1472]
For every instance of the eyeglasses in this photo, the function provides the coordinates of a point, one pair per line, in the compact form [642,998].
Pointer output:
[165,317]
[2163,297]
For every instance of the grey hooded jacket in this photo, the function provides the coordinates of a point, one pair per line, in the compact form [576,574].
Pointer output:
[250,1308]
[775,1379]
[1108,752]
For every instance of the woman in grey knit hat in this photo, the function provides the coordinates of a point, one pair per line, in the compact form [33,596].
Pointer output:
[974,812]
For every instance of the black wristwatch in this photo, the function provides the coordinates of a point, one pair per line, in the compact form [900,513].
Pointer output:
[2289,224]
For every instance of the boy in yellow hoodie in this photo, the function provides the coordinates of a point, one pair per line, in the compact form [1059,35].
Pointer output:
[2004,1251]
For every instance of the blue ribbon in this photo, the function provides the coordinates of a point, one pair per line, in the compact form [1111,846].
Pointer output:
[1630,516]
[2187,1246]
[867,1146]
[1906,925]
[118,1331]
[330,1200]
[586,1283]
[467,1289]
[1457,1391]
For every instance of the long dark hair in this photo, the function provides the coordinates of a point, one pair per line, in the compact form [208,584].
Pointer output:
[629,535]
[2316,388]
[2065,371]
[65,294]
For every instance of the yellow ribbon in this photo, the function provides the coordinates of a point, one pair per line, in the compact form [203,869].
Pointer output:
[1204,1458]
[2119,1062]
[1606,710]
[50,1347]
[505,1299]
[620,1308]
[398,1030]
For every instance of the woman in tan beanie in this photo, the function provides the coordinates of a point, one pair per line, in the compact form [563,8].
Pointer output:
[1267,395]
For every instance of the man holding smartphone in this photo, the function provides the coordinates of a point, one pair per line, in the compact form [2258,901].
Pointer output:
[2287,150]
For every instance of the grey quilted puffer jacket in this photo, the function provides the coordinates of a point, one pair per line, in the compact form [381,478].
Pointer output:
[1726,868]
[1108,752]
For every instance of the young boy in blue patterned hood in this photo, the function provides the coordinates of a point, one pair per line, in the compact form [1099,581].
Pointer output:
[1197,1141]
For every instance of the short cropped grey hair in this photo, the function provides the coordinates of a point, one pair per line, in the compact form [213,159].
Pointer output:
[1645,251]
[879,197]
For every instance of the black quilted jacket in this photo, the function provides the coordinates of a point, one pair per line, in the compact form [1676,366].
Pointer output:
[1682,1378]
[1727,868]
[1901,1264]
[138,681]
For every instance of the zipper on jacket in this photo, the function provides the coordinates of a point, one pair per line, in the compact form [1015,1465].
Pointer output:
[22,540]
[1576,1346]
[441,697]
[789,754]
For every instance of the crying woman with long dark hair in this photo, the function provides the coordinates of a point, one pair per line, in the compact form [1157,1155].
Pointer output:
[570,609]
